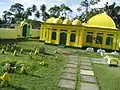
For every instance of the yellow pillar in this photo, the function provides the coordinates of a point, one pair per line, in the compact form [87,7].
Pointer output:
[68,37]
[94,40]
[114,41]
[50,34]
[104,40]
[77,38]
[82,36]
[58,36]
[47,35]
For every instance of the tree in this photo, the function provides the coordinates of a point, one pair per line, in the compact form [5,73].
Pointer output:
[86,4]
[37,14]
[114,12]
[17,9]
[44,14]
[6,15]
[28,13]
[34,10]
[64,10]
[55,11]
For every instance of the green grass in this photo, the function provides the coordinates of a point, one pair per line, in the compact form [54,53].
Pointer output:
[39,77]
[108,77]
[46,78]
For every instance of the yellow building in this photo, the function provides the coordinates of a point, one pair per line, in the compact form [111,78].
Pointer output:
[100,31]
[27,28]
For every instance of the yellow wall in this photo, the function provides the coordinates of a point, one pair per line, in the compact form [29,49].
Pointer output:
[35,33]
[6,33]
[81,33]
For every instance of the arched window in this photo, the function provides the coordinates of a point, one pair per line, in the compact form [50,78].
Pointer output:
[99,39]
[53,35]
[109,41]
[89,38]
[72,37]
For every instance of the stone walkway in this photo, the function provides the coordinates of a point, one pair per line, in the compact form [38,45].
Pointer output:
[87,76]
[68,78]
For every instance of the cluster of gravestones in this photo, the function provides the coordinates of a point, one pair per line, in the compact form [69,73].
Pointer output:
[15,49]
[11,67]
[9,48]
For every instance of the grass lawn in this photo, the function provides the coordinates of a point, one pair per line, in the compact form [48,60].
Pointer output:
[38,77]
[46,78]
[109,77]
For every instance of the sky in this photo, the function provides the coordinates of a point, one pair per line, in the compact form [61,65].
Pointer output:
[73,4]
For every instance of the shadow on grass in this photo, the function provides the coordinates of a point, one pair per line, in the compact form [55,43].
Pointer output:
[17,88]
[29,74]
[49,54]
[13,87]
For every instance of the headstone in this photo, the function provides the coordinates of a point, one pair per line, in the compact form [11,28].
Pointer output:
[30,54]
[21,50]
[15,53]
[3,51]
[36,52]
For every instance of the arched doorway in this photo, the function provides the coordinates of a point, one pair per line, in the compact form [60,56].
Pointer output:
[24,33]
[63,38]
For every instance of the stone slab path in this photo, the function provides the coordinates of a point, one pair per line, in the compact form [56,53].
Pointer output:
[99,61]
[68,78]
[87,75]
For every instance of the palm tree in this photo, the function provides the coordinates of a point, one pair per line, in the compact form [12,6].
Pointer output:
[44,14]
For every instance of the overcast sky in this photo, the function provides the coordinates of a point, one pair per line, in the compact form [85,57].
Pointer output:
[73,4]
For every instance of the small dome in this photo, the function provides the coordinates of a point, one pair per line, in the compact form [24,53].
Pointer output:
[67,21]
[76,22]
[50,20]
[58,21]
[102,20]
